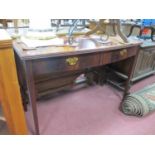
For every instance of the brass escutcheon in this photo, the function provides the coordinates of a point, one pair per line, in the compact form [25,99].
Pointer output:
[123,52]
[72,61]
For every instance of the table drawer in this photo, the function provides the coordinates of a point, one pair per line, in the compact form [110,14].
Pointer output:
[117,55]
[62,64]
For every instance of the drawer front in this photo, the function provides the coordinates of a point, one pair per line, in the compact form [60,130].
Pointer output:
[117,55]
[62,64]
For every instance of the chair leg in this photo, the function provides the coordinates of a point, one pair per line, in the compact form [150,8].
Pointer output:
[132,28]
[152,34]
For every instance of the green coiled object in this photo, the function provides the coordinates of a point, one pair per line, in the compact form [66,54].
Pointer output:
[140,103]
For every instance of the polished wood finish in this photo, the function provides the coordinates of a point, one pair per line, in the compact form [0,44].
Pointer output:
[32,93]
[130,74]
[41,63]
[10,97]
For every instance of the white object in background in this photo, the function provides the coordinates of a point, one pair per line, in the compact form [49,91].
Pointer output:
[40,24]
[33,43]
[40,35]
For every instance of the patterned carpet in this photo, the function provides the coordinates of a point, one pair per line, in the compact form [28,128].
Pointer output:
[141,102]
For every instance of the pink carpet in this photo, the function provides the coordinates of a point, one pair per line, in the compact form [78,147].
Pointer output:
[91,110]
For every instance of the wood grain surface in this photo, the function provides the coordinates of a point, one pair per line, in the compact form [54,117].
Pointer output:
[10,96]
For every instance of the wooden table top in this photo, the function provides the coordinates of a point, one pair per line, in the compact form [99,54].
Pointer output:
[86,45]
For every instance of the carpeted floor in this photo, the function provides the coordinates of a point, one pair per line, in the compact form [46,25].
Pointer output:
[91,110]
[3,125]
[3,128]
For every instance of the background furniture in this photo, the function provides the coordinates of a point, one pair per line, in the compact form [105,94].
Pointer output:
[145,66]
[10,96]
[146,62]
[4,22]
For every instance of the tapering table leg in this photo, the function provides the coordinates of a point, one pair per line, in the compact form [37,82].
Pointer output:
[130,74]
[32,93]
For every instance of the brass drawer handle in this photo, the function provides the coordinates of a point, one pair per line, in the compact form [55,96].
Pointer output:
[123,52]
[72,61]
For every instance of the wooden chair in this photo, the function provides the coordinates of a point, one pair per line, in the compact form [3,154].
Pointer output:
[146,26]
